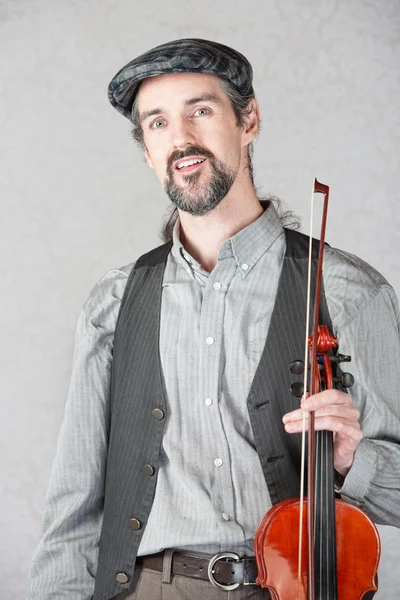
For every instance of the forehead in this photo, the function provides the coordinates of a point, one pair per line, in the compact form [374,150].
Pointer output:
[175,88]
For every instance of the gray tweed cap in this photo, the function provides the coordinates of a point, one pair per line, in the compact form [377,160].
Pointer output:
[190,55]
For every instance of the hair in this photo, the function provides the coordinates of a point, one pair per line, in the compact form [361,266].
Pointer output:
[241,107]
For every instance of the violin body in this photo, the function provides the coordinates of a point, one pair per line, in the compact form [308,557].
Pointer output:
[276,550]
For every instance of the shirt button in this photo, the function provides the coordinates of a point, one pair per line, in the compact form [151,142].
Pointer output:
[210,341]
[225,516]
[122,577]
[217,285]
[245,266]
[218,462]
[208,401]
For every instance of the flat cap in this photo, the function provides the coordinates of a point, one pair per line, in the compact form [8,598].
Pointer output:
[189,55]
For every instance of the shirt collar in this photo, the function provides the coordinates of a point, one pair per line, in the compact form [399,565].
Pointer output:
[247,246]
[180,254]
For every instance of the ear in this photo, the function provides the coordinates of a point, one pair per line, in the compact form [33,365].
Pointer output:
[251,127]
[148,159]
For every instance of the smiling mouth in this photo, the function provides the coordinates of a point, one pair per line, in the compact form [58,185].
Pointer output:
[187,166]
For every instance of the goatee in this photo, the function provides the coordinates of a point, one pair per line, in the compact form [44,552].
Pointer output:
[192,197]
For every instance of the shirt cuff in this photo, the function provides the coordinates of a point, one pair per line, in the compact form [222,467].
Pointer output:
[362,472]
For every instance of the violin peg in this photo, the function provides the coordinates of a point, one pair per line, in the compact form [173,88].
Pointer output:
[339,358]
[346,380]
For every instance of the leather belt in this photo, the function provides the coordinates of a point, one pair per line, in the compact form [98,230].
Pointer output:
[224,570]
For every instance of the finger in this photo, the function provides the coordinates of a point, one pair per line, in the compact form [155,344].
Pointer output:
[344,451]
[294,415]
[325,398]
[350,431]
[344,412]
[343,427]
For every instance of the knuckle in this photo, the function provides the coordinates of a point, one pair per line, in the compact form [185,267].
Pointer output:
[336,396]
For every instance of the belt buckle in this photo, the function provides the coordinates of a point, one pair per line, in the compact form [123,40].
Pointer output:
[213,561]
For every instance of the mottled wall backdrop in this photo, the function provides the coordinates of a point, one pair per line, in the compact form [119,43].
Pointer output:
[77,198]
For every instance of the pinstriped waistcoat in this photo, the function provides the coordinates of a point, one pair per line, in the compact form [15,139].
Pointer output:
[139,405]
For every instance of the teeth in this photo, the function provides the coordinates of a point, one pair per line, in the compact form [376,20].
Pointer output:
[188,163]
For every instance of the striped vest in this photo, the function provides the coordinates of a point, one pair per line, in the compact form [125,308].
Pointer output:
[139,405]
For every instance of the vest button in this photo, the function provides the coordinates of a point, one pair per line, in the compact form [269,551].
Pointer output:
[122,577]
[148,470]
[158,414]
[134,524]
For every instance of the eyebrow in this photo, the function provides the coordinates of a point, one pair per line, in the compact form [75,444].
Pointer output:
[190,102]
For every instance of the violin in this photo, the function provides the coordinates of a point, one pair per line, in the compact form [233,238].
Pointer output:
[318,547]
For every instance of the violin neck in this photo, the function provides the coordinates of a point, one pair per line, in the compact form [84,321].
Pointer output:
[325,525]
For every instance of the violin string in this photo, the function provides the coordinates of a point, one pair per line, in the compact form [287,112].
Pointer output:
[321,505]
[324,506]
[327,516]
[303,430]
[326,497]
[329,558]
[318,504]
[324,582]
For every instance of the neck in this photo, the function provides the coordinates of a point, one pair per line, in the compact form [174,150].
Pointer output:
[203,236]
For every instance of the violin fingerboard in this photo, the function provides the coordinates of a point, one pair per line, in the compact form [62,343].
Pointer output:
[326,586]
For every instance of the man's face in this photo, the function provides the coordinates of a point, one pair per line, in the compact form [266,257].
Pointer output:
[192,139]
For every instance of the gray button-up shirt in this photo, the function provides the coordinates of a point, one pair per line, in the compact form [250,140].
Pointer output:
[210,492]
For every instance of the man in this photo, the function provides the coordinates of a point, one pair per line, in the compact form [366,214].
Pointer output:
[173,445]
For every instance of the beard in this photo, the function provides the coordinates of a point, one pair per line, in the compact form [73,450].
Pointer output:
[193,197]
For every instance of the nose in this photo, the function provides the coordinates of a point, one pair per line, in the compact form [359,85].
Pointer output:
[181,133]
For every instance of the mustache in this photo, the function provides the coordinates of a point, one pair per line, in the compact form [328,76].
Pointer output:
[189,151]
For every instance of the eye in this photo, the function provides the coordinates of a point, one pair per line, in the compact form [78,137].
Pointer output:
[201,112]
[157,124]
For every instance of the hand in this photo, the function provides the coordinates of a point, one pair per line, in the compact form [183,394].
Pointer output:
[334,411]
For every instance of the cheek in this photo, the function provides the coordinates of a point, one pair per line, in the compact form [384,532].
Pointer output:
[230,143]
[230,154]
[155,148]
[161,172]
[157,160]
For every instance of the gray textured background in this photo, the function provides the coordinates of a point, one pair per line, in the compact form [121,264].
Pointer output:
[77,198]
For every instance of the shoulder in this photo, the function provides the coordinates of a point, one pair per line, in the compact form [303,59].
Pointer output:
[352,285]
[109,289]
[106,296]
[101,308]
